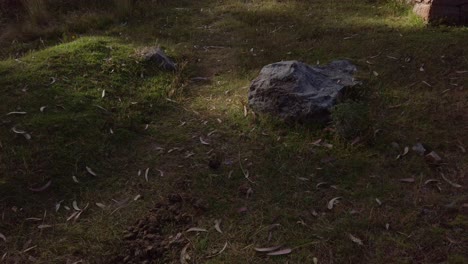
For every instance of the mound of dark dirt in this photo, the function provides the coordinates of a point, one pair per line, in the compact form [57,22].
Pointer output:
[158,237]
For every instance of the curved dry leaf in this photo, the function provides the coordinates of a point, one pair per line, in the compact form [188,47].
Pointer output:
[53,80]
[16,113]
[431,181]
[184,256]
[456,185]
[405,151]
[212,132]
[42,108]
[217,226]
[321,184]
[203,141]
[161,173]
[75,206]
[280,252]
[17,131]
[27,136]
[44,226]
[146,174]
[332,202]
[57,205]
[101,205]
[103,93]
[408,180]
[75,179]
[219,252]
[268,249]
[196,229]
[137,197]
[3,237]
[43,188]
[90,171]
[356,240]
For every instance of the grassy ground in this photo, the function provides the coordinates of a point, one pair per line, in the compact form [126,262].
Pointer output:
[265,189]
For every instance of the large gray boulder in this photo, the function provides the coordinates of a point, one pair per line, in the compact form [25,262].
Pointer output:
[295,91]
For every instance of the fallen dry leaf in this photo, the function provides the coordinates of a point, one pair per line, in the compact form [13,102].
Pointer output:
[378,201]
[33,219]
[57,205]
[267,249]
[433,158]
[146,174]
[405,151]
[73,215]
[44,226]
[75,179]
[75,206]
[219,252]
[332,202]
[280,252]
[355,240]
[431,181]
[43,188]
[101,205]
[137,197]
[203,141]
[321,184]
[456,185]
[3,237]
[217,225]
[90,171]
[184,256]
[196,229]
[408,180]
[16,113]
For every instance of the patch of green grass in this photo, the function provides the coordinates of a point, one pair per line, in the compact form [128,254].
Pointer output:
[84,100]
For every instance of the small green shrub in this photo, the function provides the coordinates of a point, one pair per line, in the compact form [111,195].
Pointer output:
[351,119]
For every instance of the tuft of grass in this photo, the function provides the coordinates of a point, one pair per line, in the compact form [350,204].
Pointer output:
[37,10]
[124,8]
[351,119]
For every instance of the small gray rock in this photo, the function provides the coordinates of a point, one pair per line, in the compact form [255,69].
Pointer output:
[157,55]
[295,91]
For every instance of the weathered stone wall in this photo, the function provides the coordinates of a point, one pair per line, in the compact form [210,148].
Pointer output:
[446,11]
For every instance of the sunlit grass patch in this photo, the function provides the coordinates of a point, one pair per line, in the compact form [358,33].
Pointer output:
[83,100]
